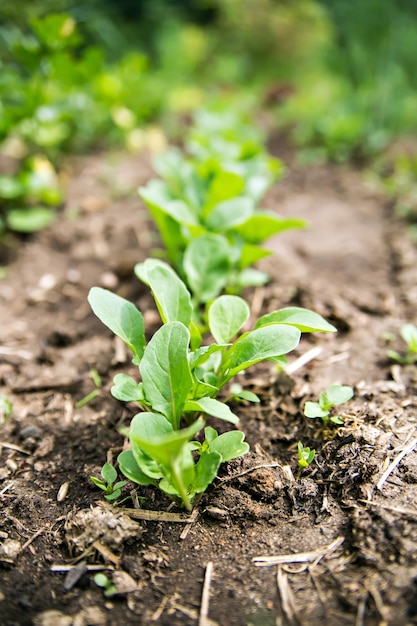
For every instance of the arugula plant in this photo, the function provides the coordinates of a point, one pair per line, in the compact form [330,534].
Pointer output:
[408,333]
[334,396]
[181,378]
[205,208]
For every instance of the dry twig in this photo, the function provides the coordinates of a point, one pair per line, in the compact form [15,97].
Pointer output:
[205,597]
[299,557]
[391,467]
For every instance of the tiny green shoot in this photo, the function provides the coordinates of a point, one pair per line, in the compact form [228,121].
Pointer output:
[408,333]
[109,589]
[334,396]
[108,483]
[6,410]
[95,376]
[305,455]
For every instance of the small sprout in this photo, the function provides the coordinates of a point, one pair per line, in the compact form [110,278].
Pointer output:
[335,395]
[238,393]
[6,409]
[106,584]
[305,455]
[109,475]
[95,377]
[408,333]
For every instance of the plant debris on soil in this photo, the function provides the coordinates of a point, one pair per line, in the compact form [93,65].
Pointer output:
[266,545]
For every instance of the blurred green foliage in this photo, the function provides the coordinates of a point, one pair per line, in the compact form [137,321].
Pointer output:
[74,76]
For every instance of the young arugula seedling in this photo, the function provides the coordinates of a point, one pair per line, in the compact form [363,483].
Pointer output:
[334,396]
[305,455]
[408,333]
[108,483]
[205,208]
[181,378]
[109,589]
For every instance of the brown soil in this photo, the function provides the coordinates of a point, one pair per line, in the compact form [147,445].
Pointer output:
[354,265]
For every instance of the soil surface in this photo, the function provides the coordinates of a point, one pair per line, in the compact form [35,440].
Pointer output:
[343,534]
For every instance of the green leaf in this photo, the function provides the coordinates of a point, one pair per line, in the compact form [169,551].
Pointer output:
[171,295]
[166,372]
[229,214]
[313,409]
[263,224]
[212,407]
[251,277]
[225,185]
[203,354]
[260,345]
[108,473]
[226,317]
[27,220]
[207,264]
[206,471]
[409,333]
[121,316]
[126,389]
[10,188]
[169,229]
[130,469]
[303,319]
[230,445]
[155,194]
[251,254]
[338,394]
[170,449]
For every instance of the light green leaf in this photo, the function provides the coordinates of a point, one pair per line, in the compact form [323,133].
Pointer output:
[303,319]
[171,295]
[313,409]
[29,220]
[130,469]
[155,194]
[212,407]
[230,445]
[263,224]
[225,185]
[226,317]
[338,394]
[260,345]
[251,277]
[121,316]
[251,254]
[207,264]
[229,214]
[108,473]
[206,471]
[166,372]
[126,389]
[409,333]
[202,355]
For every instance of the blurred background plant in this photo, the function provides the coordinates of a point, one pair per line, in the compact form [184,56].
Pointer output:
[82,76]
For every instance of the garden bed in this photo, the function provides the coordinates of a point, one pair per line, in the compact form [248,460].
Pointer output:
[354,530]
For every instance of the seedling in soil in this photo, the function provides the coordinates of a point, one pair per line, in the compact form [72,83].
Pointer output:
[109,589]
[181,378]
[305,456]
[205,209]
[93,394]
[334,396]
[408,333]
[6,409]
[108,483]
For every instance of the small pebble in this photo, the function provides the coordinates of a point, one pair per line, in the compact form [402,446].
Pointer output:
[30,431]
[63,492]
